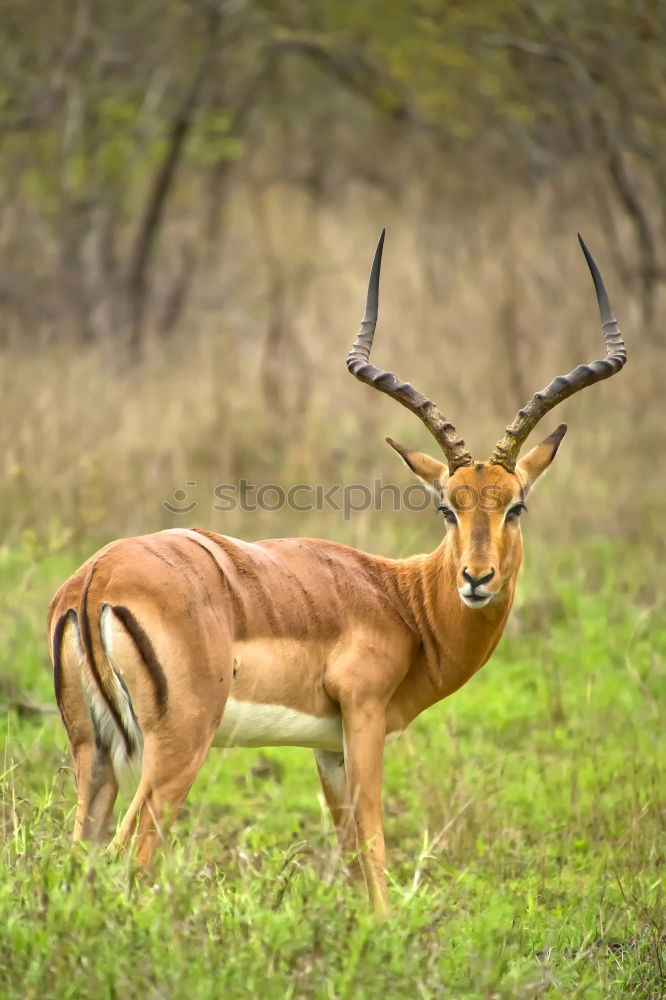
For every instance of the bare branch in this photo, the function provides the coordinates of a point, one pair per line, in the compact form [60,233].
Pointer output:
[356,72]
[560,50]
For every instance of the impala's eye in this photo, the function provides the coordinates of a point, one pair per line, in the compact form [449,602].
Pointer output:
[449,514]
[513,513]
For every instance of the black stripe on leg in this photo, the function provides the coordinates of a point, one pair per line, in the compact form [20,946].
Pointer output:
[147,654]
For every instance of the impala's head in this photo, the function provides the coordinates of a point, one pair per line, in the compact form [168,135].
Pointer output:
[481,505]
[481,502]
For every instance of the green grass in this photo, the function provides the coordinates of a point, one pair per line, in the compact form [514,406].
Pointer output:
[524,819]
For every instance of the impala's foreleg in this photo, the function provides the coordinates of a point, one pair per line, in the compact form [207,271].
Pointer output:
[365,731]
[333,777]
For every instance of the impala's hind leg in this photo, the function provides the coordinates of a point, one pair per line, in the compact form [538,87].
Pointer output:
[333,778]
[96,788]
[178,678]
[96,784]
[166,778]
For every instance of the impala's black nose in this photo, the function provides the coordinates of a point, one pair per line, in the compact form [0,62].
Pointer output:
[477,581]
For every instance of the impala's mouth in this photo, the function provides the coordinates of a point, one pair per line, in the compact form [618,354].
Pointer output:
[474,599]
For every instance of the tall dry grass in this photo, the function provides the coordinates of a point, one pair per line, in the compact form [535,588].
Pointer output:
[481,304]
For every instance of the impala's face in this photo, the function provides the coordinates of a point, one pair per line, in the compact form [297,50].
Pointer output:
[482,505]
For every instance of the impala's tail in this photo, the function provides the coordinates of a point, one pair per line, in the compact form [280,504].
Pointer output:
[110,703]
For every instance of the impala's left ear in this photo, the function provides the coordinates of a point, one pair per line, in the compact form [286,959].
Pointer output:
[536,461]
[432,473]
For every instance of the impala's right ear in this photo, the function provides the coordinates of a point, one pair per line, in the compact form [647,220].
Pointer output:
[432,473]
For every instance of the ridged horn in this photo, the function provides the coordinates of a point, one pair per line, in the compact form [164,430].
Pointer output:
[507,448]
[358,364]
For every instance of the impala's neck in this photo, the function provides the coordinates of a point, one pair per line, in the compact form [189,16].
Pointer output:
[457,640]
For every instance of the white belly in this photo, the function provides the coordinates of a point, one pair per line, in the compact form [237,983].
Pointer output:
[247,724]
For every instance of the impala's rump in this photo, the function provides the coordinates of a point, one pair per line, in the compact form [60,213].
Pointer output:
[112,648]
[110,712]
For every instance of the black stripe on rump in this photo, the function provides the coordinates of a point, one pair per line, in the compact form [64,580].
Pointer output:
[147,654]
[87,646]
[58,631]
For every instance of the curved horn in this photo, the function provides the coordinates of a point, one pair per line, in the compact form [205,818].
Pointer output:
[441,429]
[507,448]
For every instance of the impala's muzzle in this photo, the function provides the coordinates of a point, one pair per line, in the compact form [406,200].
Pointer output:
[474,592]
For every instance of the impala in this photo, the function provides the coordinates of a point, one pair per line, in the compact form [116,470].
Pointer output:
[167,644]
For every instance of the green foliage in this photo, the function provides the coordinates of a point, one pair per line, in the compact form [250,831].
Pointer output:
[211,142]
[523,822]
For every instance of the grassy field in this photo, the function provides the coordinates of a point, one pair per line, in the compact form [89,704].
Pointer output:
[524,825]
[524,816]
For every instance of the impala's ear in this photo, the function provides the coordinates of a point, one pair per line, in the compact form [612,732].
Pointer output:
[536,461]
[431,472]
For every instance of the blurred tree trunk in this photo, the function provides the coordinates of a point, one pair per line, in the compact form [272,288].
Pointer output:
[163,181]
